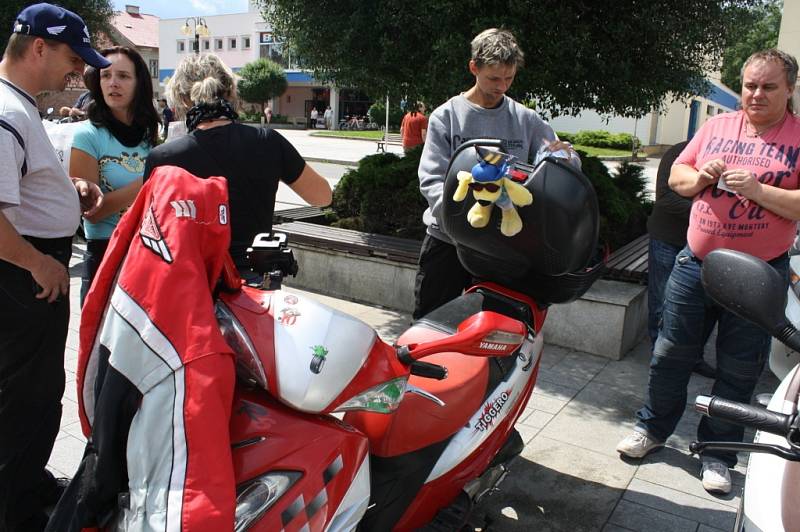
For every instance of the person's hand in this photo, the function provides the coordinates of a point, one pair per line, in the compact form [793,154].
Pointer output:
[90,195]
[52,277]
[557,145]
[711,170]
[742,182]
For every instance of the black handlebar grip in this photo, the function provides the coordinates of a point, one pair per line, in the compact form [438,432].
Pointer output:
[743,414]
[428,370]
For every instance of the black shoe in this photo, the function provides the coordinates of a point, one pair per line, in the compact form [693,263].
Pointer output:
[704,369]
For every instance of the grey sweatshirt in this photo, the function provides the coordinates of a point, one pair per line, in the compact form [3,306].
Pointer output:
[458,120]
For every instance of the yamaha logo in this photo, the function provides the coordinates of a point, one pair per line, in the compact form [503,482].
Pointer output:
[493,346]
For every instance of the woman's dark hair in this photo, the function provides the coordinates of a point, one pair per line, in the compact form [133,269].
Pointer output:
[144,112]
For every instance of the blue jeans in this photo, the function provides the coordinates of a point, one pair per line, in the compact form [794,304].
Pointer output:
[660,259]
[742,349]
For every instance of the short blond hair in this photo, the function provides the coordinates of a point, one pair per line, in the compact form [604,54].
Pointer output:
[19,44]
[201,79]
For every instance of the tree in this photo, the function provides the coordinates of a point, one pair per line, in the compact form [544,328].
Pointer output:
[97,14]
[261,81]
[761,33]
[618,57]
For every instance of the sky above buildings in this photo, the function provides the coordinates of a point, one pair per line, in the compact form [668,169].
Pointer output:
[184,8]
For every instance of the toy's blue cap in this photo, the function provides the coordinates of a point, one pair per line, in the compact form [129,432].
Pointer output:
[59,24]
[485,173]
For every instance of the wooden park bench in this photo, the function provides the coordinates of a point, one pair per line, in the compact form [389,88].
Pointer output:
[299,214]
[402,250]
[629,263]
[393,138]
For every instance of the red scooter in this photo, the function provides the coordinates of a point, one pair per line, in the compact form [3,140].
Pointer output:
[425,426]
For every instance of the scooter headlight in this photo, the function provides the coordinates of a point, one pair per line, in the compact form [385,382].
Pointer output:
[248,365]
[383,398]
[255,497]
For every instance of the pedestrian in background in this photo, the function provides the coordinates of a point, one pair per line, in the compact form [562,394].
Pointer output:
[746,198]
[328,117]
[414,127]
[39,213]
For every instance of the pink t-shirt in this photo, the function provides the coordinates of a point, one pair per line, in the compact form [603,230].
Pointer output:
[721,219]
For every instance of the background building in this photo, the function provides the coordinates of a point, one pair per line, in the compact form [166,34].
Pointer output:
[789,37]
[139,31]
[239,39]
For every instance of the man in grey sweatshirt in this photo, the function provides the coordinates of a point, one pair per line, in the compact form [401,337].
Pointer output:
[484,111]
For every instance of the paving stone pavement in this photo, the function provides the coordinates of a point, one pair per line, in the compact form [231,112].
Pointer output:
[569,477]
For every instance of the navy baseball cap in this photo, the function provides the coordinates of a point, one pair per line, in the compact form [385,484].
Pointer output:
[59,24]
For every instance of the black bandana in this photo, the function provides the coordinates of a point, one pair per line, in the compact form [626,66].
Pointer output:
[205,112]
[128,135]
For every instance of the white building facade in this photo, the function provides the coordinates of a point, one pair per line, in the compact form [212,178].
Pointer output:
[238,39]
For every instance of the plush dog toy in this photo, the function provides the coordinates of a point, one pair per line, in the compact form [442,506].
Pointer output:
[491,184]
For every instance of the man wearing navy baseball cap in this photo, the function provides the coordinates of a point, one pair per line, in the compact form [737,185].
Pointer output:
[40,208]
[61,25]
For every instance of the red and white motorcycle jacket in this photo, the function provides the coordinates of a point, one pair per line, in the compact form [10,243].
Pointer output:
[155,376]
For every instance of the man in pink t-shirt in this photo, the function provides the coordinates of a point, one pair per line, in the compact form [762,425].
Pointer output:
[741,169]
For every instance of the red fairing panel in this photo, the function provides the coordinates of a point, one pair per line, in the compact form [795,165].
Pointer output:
[440,492]
[327,452]
[382,365]
[250,306]
[419,422]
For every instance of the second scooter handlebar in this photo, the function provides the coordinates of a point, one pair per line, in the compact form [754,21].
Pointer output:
[743,414]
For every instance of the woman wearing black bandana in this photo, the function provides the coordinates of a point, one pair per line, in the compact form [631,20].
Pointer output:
[253,160]
[111,148]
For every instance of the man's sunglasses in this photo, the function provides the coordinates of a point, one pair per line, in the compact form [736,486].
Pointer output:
[490,187]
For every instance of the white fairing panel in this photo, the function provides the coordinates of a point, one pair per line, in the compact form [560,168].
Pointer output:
[318,350]
[355,502]
[781,358]
[766,473]
[493,411]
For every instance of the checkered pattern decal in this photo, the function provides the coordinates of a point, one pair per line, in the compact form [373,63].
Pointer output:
[299,506]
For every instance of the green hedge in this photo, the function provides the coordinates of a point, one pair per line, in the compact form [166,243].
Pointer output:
[599,139]
[377,114]
[382,196]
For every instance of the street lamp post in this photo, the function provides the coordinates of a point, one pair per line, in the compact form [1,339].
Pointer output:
[200,28]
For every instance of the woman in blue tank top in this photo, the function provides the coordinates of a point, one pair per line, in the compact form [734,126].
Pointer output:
[111,147]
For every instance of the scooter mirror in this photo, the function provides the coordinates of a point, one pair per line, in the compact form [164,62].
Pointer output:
[751,289]
[486,333]
[49,110]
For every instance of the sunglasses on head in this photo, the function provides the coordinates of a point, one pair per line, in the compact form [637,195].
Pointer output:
[490,187]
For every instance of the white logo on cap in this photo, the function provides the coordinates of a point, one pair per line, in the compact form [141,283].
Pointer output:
[55,30]
[86,31]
